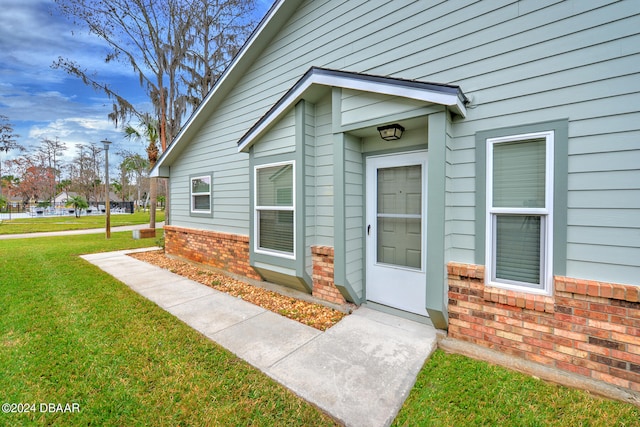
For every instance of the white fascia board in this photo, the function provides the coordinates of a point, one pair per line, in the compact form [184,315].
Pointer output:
[391,89]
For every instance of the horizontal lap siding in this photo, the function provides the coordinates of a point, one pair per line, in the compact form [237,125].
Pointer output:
[324,213]
[545,75]
[519,61]
[358,105]
[354,213]
[460,193]
[280,139]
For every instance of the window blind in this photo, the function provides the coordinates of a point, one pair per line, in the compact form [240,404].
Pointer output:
[519,174]
[517,248]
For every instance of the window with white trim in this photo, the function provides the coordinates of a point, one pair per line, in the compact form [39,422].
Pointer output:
[275,209]
[201,194]
[520,212]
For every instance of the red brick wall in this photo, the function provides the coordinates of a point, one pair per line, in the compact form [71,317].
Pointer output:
[323,285]
[230,252]
[225,251]
[589,328]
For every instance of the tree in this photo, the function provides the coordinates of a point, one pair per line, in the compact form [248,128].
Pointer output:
[219,35]
[35,178]
[78,203]
[51,150]
[64,186]
[7,142]
[7,137]
[149,131]
[85,171]
[136,164]
[177,48]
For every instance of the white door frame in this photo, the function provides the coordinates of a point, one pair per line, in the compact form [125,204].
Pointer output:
[403,288]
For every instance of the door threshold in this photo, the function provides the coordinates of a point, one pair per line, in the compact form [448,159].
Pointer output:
[397,312]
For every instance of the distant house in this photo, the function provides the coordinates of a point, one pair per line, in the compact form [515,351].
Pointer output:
[475,165]
[61,199]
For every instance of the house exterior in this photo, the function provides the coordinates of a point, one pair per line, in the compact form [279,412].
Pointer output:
[507,213]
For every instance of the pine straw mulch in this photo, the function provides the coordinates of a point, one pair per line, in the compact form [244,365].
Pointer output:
[307,313]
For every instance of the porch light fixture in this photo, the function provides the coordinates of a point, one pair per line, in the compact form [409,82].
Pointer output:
[391,132]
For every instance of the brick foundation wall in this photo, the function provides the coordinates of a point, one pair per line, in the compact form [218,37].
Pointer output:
[323,285]
[230,252]
[225,251]
[588,328]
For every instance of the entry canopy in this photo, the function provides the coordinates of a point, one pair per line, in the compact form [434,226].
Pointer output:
[434,93]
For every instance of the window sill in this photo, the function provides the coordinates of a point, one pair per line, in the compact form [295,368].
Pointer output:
[284,255]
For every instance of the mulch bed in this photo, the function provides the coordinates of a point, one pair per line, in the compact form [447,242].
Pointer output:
[308,313]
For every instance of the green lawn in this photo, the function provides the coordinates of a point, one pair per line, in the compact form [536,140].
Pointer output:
[454,390]
[60,223]
[71,334]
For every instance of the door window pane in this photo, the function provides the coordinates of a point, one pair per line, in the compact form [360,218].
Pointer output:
[399,242]
[400,190]
[399,225]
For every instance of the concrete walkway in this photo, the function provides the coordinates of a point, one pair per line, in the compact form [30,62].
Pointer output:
[360,371]
[76,232]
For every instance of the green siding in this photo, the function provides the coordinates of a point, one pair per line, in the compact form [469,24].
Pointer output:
[354,214]
[357,106]
[520,62]
[281,138]
[324,174]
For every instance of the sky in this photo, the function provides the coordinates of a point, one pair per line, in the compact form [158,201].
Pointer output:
[43,102]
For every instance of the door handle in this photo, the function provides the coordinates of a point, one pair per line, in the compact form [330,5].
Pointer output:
[369,230]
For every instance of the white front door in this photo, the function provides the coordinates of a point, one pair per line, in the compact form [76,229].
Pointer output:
[396,231]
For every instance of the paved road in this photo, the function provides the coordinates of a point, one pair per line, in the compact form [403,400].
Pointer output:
[75,232]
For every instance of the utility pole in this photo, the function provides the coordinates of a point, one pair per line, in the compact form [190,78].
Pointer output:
[107,206]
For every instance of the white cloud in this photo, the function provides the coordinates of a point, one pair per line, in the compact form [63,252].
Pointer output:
[76,131]
[42,102]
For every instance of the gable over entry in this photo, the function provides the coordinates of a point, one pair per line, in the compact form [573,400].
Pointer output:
[322,133]
[445,95]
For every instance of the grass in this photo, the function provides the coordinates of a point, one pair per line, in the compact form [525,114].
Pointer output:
[69,333]
[60,223]
[453,390]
